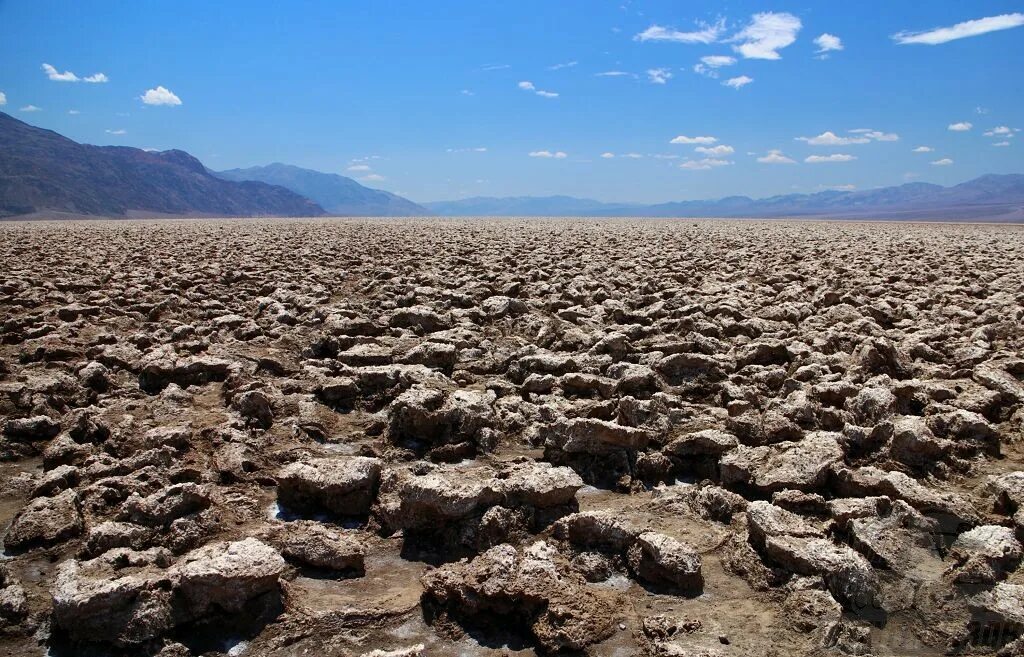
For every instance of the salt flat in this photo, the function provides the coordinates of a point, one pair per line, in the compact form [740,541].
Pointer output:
[487,437]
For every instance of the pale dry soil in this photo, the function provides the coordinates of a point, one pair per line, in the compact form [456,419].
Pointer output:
[511,437]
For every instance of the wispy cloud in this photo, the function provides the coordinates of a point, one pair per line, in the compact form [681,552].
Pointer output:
[775,156]
[557,155]
[526,85]
[829,138]
[827,43]
[766,34]
[963,30]
[118,132]
[962,126]
[658,75]
[495,67]
[835,157]
[683,139]
[477,149]
[3,99]
[160,96]
[717,61]
[704,164]
[877,135]
[944,162]
[373,177]
[67,76]
[1001,143]
[923,149]
[467,92]
[999,131]
[738,82]
[707,33]
[55,75]
[607,156]
[557,67]
[715,151]
[709,64]
[31,108]
[358,167]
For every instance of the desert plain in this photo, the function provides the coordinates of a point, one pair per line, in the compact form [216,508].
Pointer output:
[391,438]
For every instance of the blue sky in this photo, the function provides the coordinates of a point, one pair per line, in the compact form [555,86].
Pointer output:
[444,100]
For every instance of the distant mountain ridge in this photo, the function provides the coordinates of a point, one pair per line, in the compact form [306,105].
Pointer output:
[43,172]
[336,194]
[990,197]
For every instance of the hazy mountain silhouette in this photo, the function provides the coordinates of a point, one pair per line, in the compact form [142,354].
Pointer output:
[44,172]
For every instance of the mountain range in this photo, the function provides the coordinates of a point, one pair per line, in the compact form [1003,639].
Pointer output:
[43,174]
[338,195]
[990,197]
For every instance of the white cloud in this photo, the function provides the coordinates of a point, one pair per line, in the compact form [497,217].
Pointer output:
[944,162]
[664,156]
[557,67]
[526,85]
[738,82]
[633,156]
[709,64]
[923,149]
[467,92]
[160,96]
[67,76]
[57,76]
[607,156]
[766,34]
[31,108]
[658,75]
[835,157]
[612,74]
[683,139]
[558,155]
[961,30]
[717,61]
[495,67]
[842,188]
[829,138]
[882,136]
[359,167]
[708,33]
[775,156]
[3,99]
[373,177]
[999,130]
[119,131]
[827,43]
[73,112]
[477,149]
[703,165]
[1001,143]
[716,151]
[963,126]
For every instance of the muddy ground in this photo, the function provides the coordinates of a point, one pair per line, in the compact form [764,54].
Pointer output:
[497,437]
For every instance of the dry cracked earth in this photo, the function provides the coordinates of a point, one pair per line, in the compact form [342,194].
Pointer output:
[392,438]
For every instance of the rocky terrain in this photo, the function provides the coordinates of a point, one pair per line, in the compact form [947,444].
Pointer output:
[481,438]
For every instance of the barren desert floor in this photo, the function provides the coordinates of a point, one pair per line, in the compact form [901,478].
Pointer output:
[476,438]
